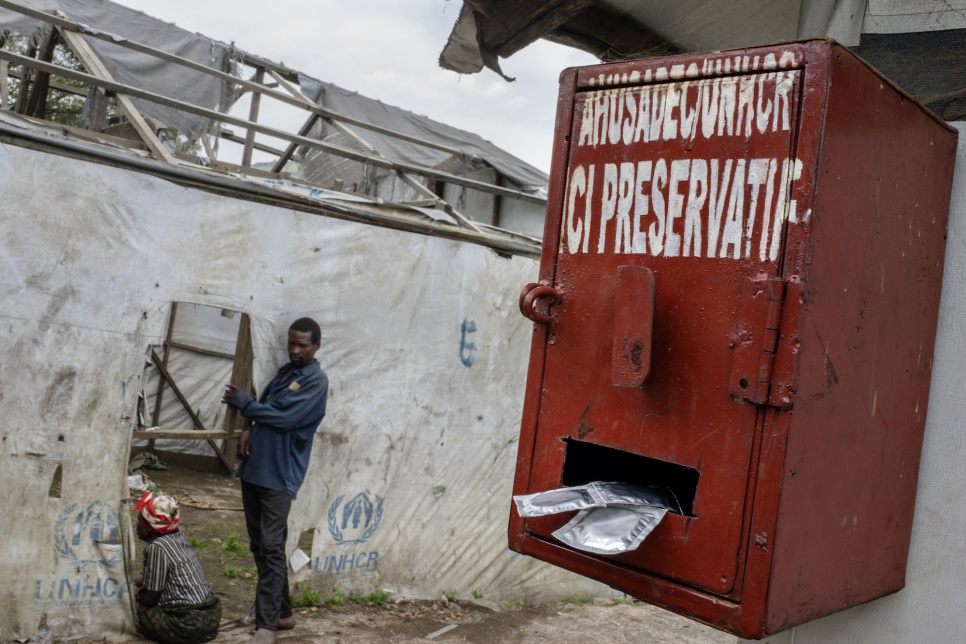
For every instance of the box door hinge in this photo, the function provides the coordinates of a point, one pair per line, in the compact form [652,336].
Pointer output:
[755,339]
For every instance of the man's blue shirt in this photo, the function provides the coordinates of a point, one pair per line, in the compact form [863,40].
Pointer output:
[285,420]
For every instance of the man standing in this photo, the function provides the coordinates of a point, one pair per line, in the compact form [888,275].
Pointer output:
[273,457]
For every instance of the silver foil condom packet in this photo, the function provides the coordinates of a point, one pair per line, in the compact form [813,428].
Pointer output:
[613,518]
[610,530]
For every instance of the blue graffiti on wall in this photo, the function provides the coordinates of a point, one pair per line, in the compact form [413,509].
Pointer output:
[359,518]
[360,563]
[352,522]
[77,535]
[81,591]
[89,537]
[467,348]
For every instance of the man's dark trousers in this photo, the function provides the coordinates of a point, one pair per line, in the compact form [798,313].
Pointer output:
[266,517]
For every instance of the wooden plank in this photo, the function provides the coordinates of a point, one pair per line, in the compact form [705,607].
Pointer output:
[202,178]
[459,217]
[70,89]
[253,117]
[94,116]
[156,416]
[497,202]
[97,68]
[234,138]
[241,376]
[204,352]
[285,155]
[4,87]
[187,407]
[25,80]
[181,434]
[87,135]
[382,162]
[37,103]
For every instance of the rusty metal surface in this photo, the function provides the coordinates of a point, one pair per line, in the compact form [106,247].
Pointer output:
[744,282]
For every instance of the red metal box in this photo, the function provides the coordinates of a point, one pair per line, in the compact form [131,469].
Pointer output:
[738,299]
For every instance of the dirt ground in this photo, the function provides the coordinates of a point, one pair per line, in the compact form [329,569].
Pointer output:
[214,523]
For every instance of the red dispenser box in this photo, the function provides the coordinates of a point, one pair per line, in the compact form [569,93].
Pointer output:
[738,300]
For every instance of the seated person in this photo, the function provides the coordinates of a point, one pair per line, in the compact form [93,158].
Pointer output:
[175,602]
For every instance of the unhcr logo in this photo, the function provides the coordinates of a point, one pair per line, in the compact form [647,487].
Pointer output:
[355,520]
[90,536]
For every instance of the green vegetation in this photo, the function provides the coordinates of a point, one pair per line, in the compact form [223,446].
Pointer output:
[515,605]
[233,548]
[307,599]
[580,600]
[234,572]
[451,595]
[337,600]
[198,543]
[627,601]
[477,594]
[375,598]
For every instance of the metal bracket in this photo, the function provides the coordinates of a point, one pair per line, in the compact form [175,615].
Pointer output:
[755,339]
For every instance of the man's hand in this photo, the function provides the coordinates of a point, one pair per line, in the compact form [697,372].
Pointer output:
[244,445]
[229,394]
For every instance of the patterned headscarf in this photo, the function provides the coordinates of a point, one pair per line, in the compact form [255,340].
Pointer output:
[161,512]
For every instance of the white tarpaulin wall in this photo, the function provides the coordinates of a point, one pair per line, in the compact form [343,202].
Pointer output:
[410,480]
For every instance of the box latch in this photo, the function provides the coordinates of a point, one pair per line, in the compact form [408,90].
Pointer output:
[633,326]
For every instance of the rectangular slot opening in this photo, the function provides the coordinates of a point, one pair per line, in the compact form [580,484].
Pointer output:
[587,462]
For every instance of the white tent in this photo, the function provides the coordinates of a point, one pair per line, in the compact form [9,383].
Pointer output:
[422,341]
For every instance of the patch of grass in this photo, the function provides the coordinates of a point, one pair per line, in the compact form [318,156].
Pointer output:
[308,598]
[451,595]
[627,601]
[337,600]
[515,605]
[477,594]
[233,547]
[198,543]
[375,598]
[580,600]
[234,572]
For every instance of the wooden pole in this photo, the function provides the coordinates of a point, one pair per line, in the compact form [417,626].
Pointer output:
[4,85]
[37,103]
[156,416]
[253,117]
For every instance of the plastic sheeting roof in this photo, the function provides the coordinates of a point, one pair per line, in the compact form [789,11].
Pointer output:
[140,70]
[374,111]
[137,69]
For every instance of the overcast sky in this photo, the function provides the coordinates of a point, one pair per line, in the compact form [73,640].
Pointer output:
[388,49]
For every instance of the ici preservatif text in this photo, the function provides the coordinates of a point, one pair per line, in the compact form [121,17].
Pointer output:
[647,174]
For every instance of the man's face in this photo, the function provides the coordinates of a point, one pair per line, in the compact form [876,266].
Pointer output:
[301,349]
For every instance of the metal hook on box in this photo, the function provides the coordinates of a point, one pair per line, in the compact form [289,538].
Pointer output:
[528,298]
